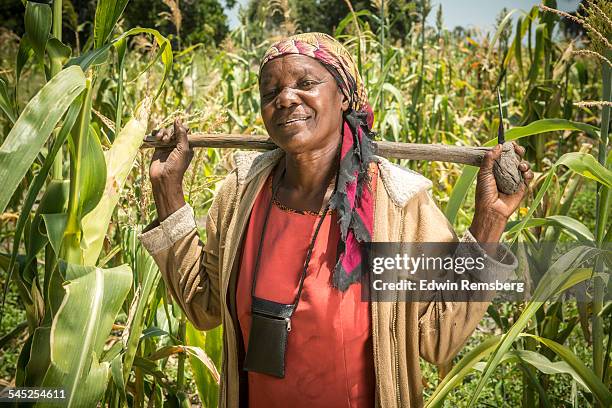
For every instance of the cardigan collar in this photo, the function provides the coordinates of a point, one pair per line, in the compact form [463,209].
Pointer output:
[401,184]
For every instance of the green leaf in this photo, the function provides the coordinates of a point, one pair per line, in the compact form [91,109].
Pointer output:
[141,302]
[24,54]
[100,55]
[93,176]
[37,19]
[53,200]
[544,126]
[461,369]
[34,126]
[119,160]
[6,102]
[107,15]
[55,225]
[469,173]
[586,165]
[568,223]
[500,28]
[165,51]
[117,375]
[538,55]
[589,378]
[87,180]
[58,51]
[93,298]
[581,163]
[563,273]
[459,193]
[543,364]
[94,57]
[212,342]
[39,360]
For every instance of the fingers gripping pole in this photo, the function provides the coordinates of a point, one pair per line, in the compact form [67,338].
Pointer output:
[508,177]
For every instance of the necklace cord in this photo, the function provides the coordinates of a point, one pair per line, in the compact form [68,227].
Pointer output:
[325,206]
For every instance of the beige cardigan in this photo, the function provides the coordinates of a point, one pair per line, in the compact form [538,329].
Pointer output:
[201,277]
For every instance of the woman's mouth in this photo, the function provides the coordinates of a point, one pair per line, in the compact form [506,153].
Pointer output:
[294,121]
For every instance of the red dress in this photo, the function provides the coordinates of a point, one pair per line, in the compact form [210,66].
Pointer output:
[328,362]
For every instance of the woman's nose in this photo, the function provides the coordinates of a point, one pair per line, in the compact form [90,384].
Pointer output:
[286,98]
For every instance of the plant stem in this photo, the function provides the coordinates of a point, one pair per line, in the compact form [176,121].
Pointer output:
[180,375]
[603,199]
[382,50]
[56,67]
[70,247]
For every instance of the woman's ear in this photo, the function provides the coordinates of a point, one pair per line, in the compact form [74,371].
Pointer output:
[345,102]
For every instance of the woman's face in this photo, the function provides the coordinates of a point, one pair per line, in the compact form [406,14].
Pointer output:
[301,104]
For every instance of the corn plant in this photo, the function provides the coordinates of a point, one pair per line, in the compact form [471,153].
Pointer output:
[550,276]
[74,296]
[67,224]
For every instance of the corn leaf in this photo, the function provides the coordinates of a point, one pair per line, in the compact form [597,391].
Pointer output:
[58,52]
[500,29]
[592,382]
[541,363]
[165,51]
[563,273]
[6,103]
[211,342]
[93,298]
[546,125]
[119,161]
[24,53]
[582,164]
[461,369]
[469,173]
[34,126]
[37,23]
[117,375]
[87,180]
[538,55]
[55,225]
[200,355]
[586,165]
[568,223]
[52,201]
[39,358]
[94,57]
[149,275]
[107,15]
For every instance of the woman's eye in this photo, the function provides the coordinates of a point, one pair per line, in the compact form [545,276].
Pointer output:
[308,83]
[268,95]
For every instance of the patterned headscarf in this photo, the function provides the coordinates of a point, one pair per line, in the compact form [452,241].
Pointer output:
[353,198]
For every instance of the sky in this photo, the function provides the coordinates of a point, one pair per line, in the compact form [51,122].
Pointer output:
[466,13]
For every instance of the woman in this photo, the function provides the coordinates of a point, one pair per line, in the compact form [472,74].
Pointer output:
[292,223]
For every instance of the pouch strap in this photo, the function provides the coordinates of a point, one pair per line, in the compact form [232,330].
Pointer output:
[268,307]
[322,213]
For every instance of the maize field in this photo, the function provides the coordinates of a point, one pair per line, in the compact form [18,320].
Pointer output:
[84,307]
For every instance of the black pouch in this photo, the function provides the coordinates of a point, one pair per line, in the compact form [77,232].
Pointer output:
[270,326]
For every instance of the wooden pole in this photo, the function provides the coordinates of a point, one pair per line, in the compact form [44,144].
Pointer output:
[506,171]
[412,151]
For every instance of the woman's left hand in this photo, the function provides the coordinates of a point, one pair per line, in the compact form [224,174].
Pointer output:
[493,208]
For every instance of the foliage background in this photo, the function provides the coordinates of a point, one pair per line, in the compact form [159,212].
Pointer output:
[427,84]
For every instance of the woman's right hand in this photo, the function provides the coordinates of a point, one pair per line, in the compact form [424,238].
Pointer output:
[168,166]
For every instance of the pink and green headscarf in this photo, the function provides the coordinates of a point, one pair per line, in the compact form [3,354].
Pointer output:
[353,198]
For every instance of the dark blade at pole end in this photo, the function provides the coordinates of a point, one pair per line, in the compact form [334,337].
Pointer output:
[501,137]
